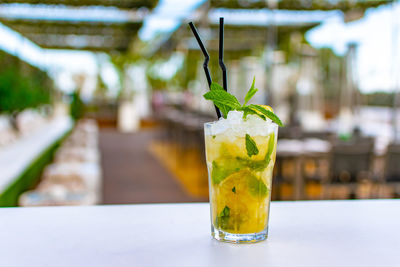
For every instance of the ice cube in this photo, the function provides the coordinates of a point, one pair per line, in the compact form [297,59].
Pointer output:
[235,116]
[234,126]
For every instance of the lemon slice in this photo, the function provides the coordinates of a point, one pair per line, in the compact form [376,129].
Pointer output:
[248,211]
[266,107]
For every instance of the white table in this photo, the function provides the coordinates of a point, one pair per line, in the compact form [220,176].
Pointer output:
[326,233]
[16,157]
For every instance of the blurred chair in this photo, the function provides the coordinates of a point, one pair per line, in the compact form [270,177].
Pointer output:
[282,187]
[289,132]
[392,168]
[316,162]
[350,166]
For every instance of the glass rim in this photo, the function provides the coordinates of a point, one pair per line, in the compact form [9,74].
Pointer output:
[213,122]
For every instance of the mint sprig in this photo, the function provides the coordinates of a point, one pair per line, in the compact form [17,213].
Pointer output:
[227,102]
[222,99]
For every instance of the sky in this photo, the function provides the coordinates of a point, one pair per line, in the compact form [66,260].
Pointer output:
[167,16]
[377,36]
[373,35]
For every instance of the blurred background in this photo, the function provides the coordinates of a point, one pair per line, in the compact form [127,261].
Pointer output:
[101,100]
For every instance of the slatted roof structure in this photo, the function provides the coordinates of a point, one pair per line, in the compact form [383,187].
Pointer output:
[130,4]
[248,37]
[343,5]
[239,39]
[81,33]
[242,37]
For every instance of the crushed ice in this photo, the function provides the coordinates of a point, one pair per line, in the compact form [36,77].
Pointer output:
[234,125]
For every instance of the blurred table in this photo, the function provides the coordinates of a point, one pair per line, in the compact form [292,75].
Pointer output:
[311,146]
[16,157]
[321,233]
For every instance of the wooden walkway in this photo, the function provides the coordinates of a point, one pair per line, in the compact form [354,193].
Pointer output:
[132,175]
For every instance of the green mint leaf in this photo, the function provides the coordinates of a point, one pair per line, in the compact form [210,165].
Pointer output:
[217,173]
[222,221]
[252,91]
[234,189]
[222,99]
[267,113]
[247,111]
[216,86]
[222,107]
[226,212]
[251,146]
[258,165]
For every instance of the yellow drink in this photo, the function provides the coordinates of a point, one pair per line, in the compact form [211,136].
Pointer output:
[240,183]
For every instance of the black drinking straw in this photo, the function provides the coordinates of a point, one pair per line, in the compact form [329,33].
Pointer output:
[221,53]
[206,60]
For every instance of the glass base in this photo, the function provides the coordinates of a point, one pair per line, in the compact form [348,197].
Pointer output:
[239,238]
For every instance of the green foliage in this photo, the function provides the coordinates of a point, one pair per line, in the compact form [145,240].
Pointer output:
[76,106]
[21,85]
[30,177]
[157,83]
[332,71]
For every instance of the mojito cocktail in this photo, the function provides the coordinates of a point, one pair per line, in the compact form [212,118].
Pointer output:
[240,155]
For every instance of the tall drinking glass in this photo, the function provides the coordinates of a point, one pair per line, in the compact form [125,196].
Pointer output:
[240,160]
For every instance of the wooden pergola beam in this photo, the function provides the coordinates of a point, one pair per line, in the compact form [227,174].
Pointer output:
[30,26]
[128,4]
[344,5]
[82,35]
[81,42]
[239,37]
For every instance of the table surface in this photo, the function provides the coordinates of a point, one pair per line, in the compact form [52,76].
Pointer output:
[325,233]
[295,147]
[16,157]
